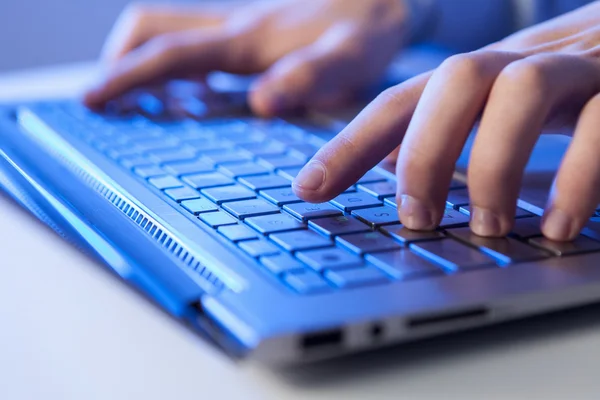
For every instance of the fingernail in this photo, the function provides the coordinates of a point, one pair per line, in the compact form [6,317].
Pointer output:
[557,225]
[311,177]
[414,214]
[485,222]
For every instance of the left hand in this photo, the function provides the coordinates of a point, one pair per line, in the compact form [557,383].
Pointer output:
[317,53]
[548,75]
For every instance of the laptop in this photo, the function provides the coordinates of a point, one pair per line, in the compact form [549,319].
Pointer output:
[197,213]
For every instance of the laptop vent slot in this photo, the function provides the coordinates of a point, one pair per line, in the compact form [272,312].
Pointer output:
[144,222]
[137,215]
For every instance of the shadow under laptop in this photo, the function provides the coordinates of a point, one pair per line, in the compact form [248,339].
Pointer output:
[450,349]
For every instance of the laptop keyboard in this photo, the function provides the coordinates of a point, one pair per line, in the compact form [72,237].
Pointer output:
[234,176]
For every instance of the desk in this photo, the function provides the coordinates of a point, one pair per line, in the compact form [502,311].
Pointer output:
[69,330]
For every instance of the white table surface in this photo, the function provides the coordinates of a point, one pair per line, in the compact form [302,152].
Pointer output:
[71,330]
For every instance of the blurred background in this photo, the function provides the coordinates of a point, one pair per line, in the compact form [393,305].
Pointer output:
[44,32]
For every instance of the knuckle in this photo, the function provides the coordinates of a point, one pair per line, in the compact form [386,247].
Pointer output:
[525,74]
[246,48]
[167,48]
[464,67]
[591,52]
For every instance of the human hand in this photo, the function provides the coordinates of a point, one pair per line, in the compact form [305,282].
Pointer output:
[548,75]
[315,53]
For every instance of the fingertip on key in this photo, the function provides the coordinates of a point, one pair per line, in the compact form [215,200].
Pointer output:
[310,180]
[558,226]
[415,214]
[94,96]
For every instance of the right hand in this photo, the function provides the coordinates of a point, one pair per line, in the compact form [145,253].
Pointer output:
[547,76]
[316,53]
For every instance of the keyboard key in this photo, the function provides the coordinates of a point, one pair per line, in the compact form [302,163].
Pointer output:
[379,189]
[294,135]
[168,156]
[216,219]
[405,236]
[504,250]
[263,149]
[259,248]
[243,169]
[228,193]
[390,201]
[282,263]
[277,127]
[520,213]
[165,182]
[198,206]
[371,176]
[332,259]
[119,152]
[592,229]
[451,255]
[274,223]
[225,157]
[280,197]
[237,233]
[453,218]
[580,245]
[187,135]
[281,162]
[454,185]
[262,182]
[526,228]
[308,211]
[138,133]
[104,145]
[225,126]
[186,168]
[342,225]
[131,162]
[355,201]
[248,138]
[156,144]
[306,282]
[181,194]
[207,180]
[289,173]
[208,145]
[303,150]
[148,172]
[377,216]
[403,264]
[368,242]
[356,277]
[250,208]
[300,240]
[458,198]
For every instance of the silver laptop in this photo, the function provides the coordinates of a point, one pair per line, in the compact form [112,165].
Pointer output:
[198,214]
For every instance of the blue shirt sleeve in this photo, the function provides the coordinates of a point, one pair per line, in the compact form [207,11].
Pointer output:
[466,25]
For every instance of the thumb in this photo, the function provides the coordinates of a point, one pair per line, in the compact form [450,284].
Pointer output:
[322,74]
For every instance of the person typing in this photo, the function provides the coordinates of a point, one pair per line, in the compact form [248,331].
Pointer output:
[321,53]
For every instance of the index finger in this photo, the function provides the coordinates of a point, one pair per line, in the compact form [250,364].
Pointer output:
[140,23]
[168,56]
[367,140]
